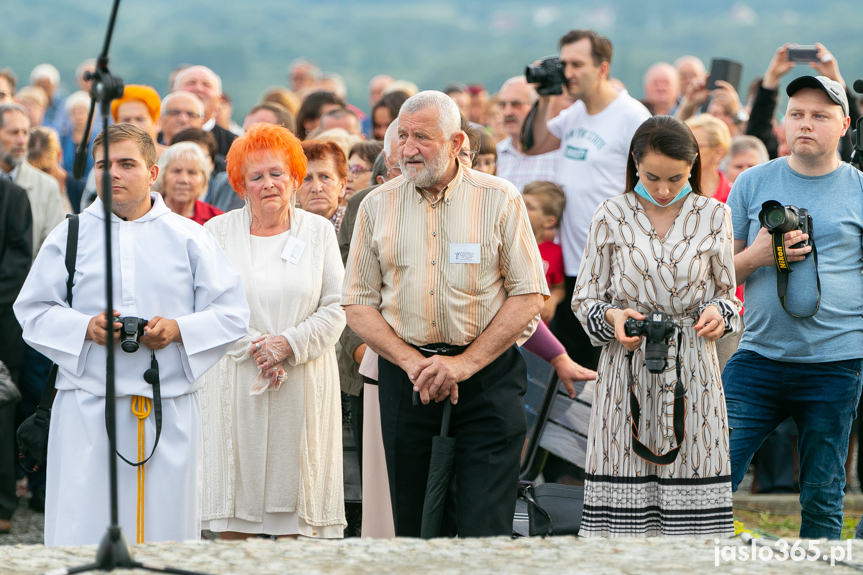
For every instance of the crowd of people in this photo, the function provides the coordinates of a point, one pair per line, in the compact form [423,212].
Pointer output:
[317,291]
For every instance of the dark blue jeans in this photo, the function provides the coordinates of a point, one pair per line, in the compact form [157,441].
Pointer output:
[822,399]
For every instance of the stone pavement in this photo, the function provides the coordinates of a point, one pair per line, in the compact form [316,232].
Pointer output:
[21,553]
[501,555]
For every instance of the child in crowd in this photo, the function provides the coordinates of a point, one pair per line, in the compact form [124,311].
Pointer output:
[486,157]
[544,202]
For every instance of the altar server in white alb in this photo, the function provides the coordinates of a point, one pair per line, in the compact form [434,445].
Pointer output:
[169,271]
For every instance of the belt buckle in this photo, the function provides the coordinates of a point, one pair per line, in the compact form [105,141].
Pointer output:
[431,350]
[444,349]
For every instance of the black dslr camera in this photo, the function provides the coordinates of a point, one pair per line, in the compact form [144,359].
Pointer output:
[131,332]
[657,327]
[779,219]
[548,74]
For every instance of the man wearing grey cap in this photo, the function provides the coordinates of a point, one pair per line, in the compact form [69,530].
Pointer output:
[800,354]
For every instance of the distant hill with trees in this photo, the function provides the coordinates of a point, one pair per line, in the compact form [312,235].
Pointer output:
[432,43]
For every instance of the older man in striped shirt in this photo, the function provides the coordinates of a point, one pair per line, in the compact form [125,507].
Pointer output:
[443,280]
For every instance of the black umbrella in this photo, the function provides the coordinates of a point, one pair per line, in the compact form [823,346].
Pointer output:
[440,476]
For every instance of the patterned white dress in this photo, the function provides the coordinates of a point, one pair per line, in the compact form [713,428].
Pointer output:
[626,264]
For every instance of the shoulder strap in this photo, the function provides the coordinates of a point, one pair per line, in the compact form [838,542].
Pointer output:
[47,398]
[71,254]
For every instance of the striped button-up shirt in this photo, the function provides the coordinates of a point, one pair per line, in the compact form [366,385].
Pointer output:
[440,267]
[521,169]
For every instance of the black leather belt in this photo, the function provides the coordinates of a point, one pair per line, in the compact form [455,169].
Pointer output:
[431,349]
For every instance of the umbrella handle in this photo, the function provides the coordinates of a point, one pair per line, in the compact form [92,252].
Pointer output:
[445,418]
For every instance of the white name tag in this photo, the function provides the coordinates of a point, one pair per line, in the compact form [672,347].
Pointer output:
[464,253]
[293,250]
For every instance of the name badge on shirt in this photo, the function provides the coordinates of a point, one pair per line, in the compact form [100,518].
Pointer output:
[293,250]
[464,253]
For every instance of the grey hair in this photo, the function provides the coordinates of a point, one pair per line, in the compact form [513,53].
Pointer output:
[391,138]
[45,71]
[449,116]
[741,144]
[217,81]
[79,98]
[198,103]
[12,108]
[84,66]
[379,168]
[182,151]
[521,81]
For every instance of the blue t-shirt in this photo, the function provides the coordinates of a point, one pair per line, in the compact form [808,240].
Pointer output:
[835,202]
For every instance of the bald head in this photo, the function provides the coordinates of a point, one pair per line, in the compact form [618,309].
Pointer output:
[377,85]
[690,69]
[661,88]
[203,83]
[515,99]
[180,110]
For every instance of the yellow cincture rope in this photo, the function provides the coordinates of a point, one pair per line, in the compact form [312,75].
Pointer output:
[141,409]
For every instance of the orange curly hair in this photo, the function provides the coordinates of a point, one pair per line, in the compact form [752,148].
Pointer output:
[265,139]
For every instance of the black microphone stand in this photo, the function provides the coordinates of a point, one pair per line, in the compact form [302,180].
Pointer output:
[113,551]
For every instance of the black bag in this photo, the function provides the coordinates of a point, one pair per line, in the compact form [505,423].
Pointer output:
[32,434]
[553,508]
[9,393]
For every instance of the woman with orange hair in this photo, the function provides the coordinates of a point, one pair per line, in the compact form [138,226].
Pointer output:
[271,412]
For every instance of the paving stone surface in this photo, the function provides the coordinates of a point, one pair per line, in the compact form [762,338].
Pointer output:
[500,555]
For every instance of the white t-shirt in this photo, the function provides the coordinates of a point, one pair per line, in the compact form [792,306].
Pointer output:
[592,162]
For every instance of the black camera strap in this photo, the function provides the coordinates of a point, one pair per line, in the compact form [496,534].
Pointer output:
[151,376]
[47,399]
[783,269]
[678,417]
[33,451]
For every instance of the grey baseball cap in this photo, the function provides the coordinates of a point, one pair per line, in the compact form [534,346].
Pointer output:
[832,88]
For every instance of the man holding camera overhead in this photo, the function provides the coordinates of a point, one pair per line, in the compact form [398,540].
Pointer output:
[593,136]
[800,354]
[179,302]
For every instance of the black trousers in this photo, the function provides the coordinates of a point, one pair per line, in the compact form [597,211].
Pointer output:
[489,427]
[11,354]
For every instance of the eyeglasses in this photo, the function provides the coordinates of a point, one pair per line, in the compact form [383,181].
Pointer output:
[357,169]
[467,155]
[174,113]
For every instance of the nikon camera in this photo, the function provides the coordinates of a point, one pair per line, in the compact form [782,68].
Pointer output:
[779,219]
[657,327]
[131,331]
[548,74]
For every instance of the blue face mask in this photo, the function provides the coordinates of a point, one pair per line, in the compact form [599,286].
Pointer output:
[642,191]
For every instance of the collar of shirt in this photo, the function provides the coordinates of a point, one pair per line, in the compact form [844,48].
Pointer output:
[13,175]
[444,194]
[158,208]
[507,146]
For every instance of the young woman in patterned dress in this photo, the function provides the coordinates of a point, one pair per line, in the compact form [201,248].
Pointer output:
[660,246]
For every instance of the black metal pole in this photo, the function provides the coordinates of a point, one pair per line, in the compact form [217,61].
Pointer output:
[113,551]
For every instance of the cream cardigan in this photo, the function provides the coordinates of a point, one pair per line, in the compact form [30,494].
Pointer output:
[280,451]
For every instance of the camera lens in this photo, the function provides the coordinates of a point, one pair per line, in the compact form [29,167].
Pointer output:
[129,345]
[774,218]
